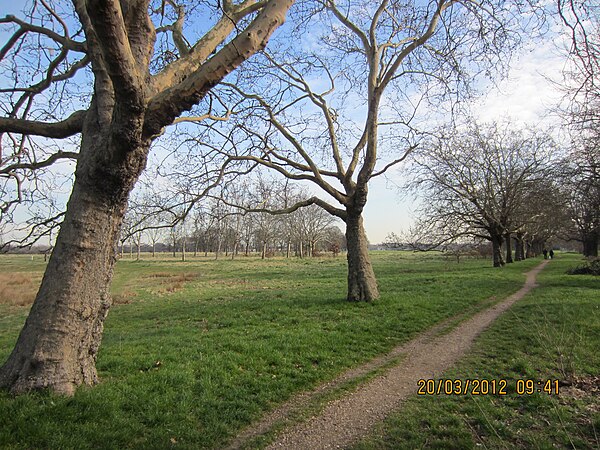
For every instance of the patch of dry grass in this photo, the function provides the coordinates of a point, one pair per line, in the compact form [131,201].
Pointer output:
[19,288]
[124,298]
[171,282]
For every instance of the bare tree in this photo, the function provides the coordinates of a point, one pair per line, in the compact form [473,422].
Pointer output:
[154,236]
[144,77]
[475,182]
[581,174]
[580,178]
[541,215]
[312,224]
[345,113]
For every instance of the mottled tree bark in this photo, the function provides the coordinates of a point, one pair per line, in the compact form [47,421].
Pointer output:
[362,284]
[519,247]
[58,345]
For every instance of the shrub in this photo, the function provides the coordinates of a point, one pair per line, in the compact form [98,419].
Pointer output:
[589,268]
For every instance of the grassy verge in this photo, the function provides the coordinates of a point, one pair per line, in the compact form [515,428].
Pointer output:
[552,334]
[189,366]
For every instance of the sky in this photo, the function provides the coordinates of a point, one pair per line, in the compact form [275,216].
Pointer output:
[525,96]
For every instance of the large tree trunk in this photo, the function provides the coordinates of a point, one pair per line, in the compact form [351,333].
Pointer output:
[59,342]
[497,250]
[519,247]
[362,285]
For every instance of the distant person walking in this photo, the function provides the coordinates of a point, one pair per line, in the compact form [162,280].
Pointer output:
[551,254]
[545,252]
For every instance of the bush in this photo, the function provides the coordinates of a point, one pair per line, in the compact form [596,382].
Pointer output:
[589,268]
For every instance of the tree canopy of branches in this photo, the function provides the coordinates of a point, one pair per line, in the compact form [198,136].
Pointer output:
[581,169]
[113,74]
[480,181]
[582,19]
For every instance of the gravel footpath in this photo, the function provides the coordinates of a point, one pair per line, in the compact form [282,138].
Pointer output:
[344,421]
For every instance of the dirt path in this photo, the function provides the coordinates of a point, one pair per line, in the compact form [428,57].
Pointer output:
[343,421]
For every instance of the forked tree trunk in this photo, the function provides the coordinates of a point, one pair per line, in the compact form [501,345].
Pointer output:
[362,284]
[59,342]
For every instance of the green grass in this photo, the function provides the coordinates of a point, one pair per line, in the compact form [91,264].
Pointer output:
[552,334]
[189,367]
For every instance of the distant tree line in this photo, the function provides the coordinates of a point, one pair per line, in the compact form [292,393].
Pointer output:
[224,224]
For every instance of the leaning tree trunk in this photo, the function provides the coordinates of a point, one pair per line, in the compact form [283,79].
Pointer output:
[362,284]
[59,342]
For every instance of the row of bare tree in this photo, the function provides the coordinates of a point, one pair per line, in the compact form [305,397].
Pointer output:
[513,188]
[214,225]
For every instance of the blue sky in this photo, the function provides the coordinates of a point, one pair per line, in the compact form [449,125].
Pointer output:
[525,97]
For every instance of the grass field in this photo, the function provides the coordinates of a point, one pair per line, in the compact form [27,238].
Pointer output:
[195,351]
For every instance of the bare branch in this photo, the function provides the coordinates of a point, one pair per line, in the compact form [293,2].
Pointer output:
[172,102]
[68,127]
[396,161]
[311,201]
[60,155]
[25,28]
